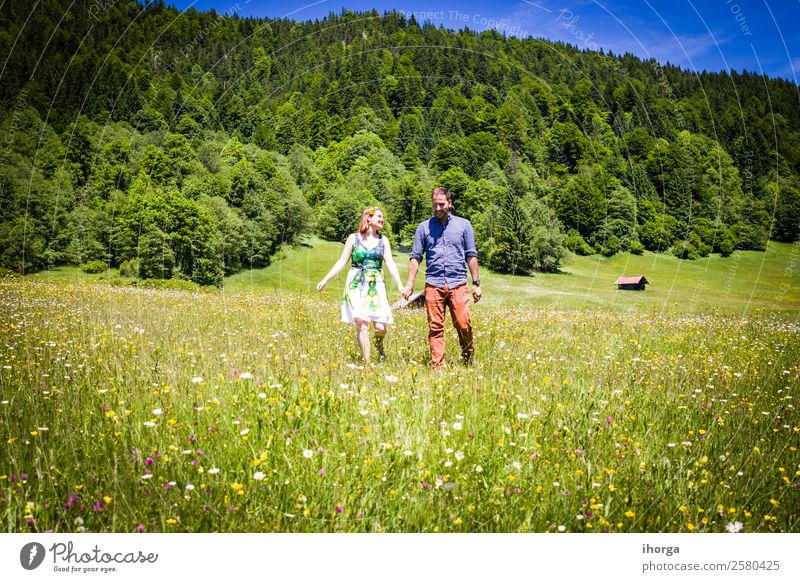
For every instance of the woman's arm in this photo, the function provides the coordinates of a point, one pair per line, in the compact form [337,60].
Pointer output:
[390,264]
[340,264]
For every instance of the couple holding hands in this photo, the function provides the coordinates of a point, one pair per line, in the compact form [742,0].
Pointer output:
[448,243]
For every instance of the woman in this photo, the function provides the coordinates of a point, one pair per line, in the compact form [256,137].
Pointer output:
[364,299]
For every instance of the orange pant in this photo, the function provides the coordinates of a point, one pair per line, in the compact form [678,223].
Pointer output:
[436,298]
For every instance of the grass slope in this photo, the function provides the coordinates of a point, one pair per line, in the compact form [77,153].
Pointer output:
[742,283]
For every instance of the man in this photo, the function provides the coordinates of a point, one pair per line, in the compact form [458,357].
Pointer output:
[449,245]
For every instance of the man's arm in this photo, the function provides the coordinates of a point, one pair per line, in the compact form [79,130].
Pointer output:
[413,267]
[471,251]
[417,249]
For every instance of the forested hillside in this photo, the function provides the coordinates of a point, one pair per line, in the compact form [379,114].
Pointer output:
[193,145]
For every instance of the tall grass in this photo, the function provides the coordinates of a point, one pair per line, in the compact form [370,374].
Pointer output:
[128,409]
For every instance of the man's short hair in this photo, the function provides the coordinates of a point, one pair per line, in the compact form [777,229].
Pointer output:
[445,191]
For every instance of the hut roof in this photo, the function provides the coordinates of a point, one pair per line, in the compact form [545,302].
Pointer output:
[639,279]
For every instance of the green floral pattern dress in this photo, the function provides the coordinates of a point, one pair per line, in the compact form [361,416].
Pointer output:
[365,292]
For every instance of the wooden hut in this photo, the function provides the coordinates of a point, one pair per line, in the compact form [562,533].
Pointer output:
[631,283]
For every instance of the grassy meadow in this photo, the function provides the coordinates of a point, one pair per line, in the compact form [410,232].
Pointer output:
[587,409]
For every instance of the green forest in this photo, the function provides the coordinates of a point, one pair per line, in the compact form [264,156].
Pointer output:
[192,145]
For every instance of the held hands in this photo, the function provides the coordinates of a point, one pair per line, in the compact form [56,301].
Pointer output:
[406,291]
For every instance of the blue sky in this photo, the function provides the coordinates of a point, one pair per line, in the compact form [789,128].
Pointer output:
[755,35]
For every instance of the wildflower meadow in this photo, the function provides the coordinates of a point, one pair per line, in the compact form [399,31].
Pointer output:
[139,410]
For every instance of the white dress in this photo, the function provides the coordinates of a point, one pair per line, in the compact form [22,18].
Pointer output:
[365,291]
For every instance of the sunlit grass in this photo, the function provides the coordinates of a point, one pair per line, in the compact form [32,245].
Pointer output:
[743,283]
[128,409]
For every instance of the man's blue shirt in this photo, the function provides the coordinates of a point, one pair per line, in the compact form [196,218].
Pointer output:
[447,247]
